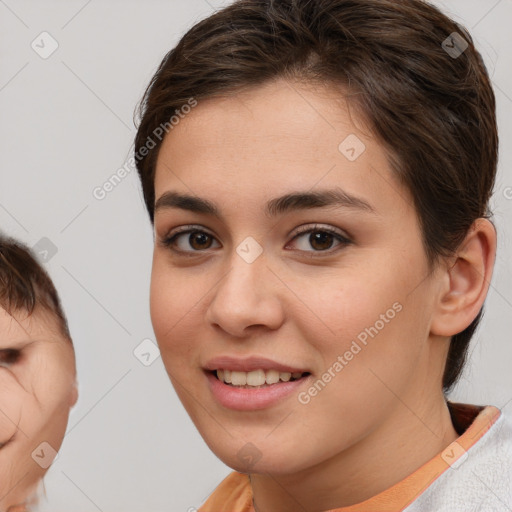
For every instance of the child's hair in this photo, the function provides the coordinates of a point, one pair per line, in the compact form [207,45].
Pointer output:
[25,285]
[426,96]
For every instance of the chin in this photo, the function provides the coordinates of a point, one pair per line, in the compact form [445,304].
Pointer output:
[249,459]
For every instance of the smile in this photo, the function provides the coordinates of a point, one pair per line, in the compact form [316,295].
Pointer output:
[256,378]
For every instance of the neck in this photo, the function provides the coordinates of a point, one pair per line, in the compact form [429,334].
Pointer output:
[399,446]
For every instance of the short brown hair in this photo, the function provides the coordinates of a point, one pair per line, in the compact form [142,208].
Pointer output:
[434,110]
[25,285]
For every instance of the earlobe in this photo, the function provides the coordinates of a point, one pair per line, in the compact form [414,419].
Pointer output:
[466,281]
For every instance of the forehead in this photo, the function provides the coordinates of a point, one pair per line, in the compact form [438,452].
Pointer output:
[19,326]
[279,136]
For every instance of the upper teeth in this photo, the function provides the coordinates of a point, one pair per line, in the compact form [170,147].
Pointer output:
[256,377]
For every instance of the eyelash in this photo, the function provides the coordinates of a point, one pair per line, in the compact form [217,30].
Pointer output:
[170,240]
[9,356]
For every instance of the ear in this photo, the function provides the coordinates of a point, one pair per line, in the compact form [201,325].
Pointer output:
[465,282]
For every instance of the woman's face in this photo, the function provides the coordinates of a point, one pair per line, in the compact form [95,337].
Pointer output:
[37,382]
[346,304]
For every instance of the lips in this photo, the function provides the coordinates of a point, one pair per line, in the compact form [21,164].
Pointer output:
[253,383]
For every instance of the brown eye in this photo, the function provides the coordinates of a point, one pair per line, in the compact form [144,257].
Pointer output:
[321,239]
[9,356]
[197,239]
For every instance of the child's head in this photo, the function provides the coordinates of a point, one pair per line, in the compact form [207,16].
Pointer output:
[37,373]
[387,103]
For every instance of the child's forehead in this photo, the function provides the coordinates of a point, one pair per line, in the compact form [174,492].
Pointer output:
[19,326]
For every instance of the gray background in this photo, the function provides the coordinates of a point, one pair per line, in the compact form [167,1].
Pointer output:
[66,127]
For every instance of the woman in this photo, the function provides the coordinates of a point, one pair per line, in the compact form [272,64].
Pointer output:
[318,176]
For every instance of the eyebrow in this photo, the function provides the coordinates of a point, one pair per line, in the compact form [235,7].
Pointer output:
[300,200]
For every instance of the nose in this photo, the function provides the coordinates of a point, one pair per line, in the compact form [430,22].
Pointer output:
[246,297]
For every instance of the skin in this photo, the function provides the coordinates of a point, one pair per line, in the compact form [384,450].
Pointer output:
[384,415]
[38,390]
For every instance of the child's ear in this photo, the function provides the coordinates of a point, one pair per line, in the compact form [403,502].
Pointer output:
[465,282]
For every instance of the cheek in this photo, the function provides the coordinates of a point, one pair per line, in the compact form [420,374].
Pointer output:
[48,375]
[343,306]
[368,317]
[162,302]
[51,372]
[172,302]
[12,399]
